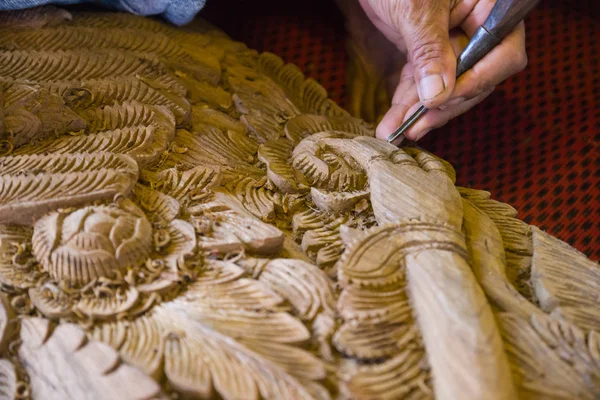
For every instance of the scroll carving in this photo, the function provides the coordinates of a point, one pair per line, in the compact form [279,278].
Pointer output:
[181,217]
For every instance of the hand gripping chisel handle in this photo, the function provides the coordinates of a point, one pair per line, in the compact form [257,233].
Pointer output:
[505,15]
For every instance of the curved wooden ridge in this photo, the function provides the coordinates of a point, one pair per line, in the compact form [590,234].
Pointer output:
[181,217]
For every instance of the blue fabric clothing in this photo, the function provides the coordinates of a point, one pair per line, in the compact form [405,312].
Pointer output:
[178,12]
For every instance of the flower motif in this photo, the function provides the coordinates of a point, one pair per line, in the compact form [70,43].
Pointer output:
[79,246]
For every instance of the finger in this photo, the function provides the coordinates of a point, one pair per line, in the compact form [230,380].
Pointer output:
[436,118]
[507,59]
[404,97]
[424,29]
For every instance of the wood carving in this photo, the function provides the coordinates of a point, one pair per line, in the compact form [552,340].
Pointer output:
[181,217]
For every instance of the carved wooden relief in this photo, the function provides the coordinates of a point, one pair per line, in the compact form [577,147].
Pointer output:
[181,217]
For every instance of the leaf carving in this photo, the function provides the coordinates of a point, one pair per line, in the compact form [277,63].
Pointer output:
[230,352]
[307,94]
[33,185]
[256,198]
[275,154]
[34,113]
[302,284]
[159,206]
[210,147]
[128,114]
[302,126]
[208,116]
[41,66]
[51,359]
[264,105]
[143,143]
[566,282]
[551,358]
[406,375]
[75,38]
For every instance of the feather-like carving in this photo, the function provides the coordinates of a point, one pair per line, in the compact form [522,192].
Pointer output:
[305,286]
[181,242]
[211,147]
[126,115]
[74,38]
[52,358]
[233,293]
[187,185]
[89,93]
[143,143]
[220,120]
[307,94]
[91,242]
[188,372]
[207,94]
[157,205]
[256,198]
[139,342]
[515,235]
[375,341]
[361,304]
[487,259]
[304,125]
[34,113]
[42,66]
[264,105]
[551,358]
[240,368]
[162,260]
[376,260]
[566,282]
[33,185]
[276,154]
[404,376]
[107,307]
[310,219]
[203,39]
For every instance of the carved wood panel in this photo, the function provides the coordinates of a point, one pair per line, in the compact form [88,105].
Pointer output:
[181,217]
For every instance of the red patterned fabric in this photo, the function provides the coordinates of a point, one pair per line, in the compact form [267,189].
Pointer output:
[534,143]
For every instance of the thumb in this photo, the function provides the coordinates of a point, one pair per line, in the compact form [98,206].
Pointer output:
[425,29]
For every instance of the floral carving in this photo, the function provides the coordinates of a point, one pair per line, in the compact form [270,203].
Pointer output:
[91,242]
[181,217]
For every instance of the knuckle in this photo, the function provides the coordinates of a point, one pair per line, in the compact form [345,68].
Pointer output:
[427,51]
[520,60]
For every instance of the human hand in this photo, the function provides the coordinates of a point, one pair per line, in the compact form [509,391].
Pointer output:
[432,33]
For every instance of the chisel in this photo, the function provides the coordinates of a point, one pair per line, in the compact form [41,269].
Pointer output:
[505,15]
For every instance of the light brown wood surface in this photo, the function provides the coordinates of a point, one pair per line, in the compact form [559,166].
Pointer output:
[181,217]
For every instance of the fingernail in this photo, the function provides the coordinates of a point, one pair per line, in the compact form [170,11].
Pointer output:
[452,103]
[430,87]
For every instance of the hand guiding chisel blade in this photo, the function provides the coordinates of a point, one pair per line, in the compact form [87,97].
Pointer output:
[504,17]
